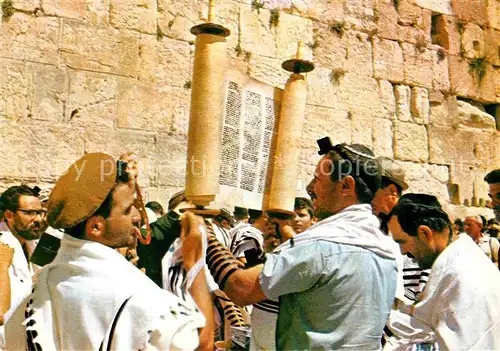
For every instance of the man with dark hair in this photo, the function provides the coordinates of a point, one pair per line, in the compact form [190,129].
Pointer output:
[461,302]
[240,214]
[247,239]
[90,297]
[493,180]
[336,281]
[156,207]
[24,218]
[304,214]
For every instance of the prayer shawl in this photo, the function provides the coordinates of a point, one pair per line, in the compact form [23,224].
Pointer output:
[461,301]
[92,298]
[245,237]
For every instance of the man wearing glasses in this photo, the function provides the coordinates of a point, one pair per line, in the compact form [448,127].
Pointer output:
[24,219]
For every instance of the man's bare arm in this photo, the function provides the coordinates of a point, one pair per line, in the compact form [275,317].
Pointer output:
[243,286]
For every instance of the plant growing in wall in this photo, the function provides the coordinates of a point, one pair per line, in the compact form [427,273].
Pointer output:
[336,75]
[478,67]
[258,5]
[274,18]
[338,27]
[7,9]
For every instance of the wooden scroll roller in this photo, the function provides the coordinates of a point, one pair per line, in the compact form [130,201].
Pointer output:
[286,162]
[206,115]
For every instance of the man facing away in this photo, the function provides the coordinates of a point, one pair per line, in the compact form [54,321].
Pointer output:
[337,281]
[91,297]
[461,301]
[493,180]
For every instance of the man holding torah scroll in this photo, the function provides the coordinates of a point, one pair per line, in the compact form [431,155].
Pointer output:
[91,297]
[336,281]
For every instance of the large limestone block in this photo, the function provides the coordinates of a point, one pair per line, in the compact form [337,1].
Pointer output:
[15,90]
[325,10]
[324,90]
[411,142]
[362,131]
[31,38]
[25,5]
[440,6]
[171,166]
[360,14]
[449,145]
[472,41]
[359,52]
[418,65]
[420,107]
[428,179]
[290,30]
[388,60]
[149,107]
[387,23]
[387,98]
[473,116]
[267,70]
[494,14]
[409,13]
[49,92]
[329,47]
[480,83]
[164,61]
[492,45]
[257,37]
[95,11]
[447,34]
[486,149]
[383,135]
[403,102]
[470,11]
[320,122]
[440,71]
[361,96]
[139,15]
[100,49]
[92,97]
[46,150]
[445,113]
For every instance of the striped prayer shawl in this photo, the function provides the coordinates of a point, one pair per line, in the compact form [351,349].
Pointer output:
[246,237]
[414,278]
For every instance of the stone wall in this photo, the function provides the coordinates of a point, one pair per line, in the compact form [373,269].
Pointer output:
[416,80]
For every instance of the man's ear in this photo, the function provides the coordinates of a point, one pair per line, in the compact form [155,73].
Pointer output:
[95,227]
[349,185]
[425,233]
[392,189]
[9,215]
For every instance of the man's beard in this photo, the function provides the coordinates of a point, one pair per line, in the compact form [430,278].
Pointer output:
[428,261]
[32,233]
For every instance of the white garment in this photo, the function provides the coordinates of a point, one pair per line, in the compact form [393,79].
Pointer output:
[488,245]
[20,275]
[461,300]
[77,297]
[245,237]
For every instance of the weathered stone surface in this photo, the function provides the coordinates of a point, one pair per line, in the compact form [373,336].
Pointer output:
[418,65]
[100,49]
[420,107]
[146,107]
[171,160]
[92,97]
[41,156]
[257,37]
[138,15]
[472,41]
[360,14]
[388,60]
[494,14]
[492,45]
[267,70]
[359,54]
[25,5]
[403,95]
[164,62]
[324,11]
[425,21]
[440,6]
[387,20]
[362,131]
[446,113]
[411,142]
[329,47]
[320,122]
[15,90]
[290,30]
[474,117]
[49,92]
[383,135]
[486,150]
[323,90]
[470,11]
[409,13]
[361,96]
[440,74]
[31,38]
[387,99]
[451,146]
[95,11]
[436,97]
[428,179]
[447,34]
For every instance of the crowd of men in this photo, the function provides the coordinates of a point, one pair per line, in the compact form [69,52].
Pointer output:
[360,266]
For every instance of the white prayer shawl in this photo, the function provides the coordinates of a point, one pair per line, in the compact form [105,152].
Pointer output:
[245,237]
[77,298]
[461,300]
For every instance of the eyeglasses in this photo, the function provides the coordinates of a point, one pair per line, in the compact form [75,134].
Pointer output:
[34,213]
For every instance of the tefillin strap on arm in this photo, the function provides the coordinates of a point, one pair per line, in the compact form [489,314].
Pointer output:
[221,263]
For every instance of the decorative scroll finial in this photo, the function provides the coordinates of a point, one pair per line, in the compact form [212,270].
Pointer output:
[298,64]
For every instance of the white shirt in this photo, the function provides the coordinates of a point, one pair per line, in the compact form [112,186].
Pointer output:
[20,275]
[461,301]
